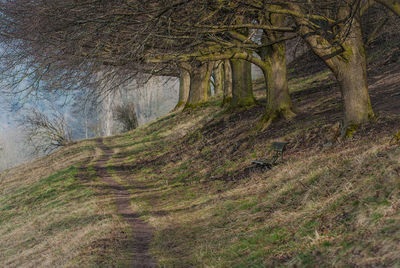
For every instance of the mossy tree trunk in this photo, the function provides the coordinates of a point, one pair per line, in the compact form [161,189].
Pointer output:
[184,87]
[227,83]
[348,62]
[219,78]
[273,64]
[351,73]
[200,75]
[242,84]
[350,69]
[242,88]
[279,104]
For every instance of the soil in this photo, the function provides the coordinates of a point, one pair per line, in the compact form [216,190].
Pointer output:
[141,232]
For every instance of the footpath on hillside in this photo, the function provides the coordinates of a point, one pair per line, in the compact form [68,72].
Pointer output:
[141,232]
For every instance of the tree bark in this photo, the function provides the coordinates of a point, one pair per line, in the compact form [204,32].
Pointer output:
[350,69]
[242,88]
[219,78]
[352,78]
[227,83]
[279,104]
[199,83]
[184,87]
[348,63]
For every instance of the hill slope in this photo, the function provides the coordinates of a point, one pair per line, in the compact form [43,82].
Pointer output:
[189,179]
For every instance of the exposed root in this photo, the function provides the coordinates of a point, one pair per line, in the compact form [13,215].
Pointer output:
[269,117]
[178,106]
[395,139]
[234,105]
[349,130]
[226,102]
[191,106]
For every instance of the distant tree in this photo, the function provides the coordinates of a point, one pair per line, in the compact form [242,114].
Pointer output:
[126,115]
[45,133]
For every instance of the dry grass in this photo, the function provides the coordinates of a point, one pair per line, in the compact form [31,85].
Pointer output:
[54,213]
[337,207]
[330,203]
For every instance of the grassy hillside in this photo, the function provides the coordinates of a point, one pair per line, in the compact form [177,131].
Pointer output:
[54,212]
[330,202]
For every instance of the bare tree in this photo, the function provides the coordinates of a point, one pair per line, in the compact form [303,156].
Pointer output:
[57,43]
[45,133]
[126,115]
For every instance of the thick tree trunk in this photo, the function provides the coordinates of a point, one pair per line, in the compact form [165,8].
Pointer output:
[199,84]
[351,72]
[184,86]
[348,63]
[279,104]
[219,78]
[242,88]
[227,83]
[352,78]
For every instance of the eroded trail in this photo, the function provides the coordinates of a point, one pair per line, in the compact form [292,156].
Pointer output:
[138,244]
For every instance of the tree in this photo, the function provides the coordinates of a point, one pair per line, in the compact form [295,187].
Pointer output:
[67,40]
[126,115]
[337,39]
[200,74]
[45,133]
[65,44]
[184,87]
[227,83]
[242,88]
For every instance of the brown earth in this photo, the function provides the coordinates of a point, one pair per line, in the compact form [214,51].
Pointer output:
[138,243]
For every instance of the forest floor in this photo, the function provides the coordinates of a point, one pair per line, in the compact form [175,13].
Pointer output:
[182,191]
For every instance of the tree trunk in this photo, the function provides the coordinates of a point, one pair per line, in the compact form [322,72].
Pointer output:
[227,83]
[184,86]
[351,72]
[242,88]
[348,63]
[199,84]
[210,68]
[218,78]
[279,104]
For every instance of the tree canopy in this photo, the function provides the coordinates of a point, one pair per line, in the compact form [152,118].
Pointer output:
[68,44]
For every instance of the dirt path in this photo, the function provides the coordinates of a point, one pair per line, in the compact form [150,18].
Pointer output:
[141,231]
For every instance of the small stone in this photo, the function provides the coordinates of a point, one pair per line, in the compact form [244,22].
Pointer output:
[381,154]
